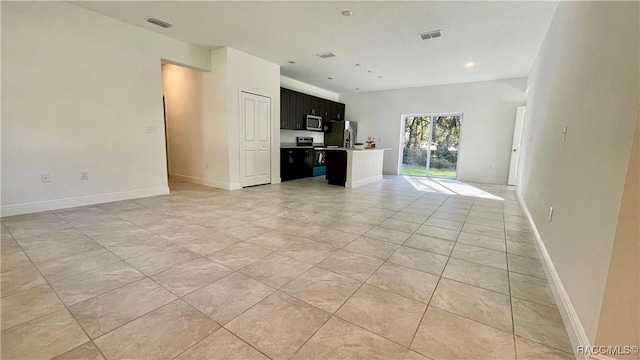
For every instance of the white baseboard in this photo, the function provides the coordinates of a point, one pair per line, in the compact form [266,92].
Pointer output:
[201,181]
[570,318]
[276,180]
[483,180]
[210,183]
[357,183]
[33,207]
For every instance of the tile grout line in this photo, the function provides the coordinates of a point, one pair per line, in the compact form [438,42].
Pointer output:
[352,294]
[437,284]
[513,320]
[316,265]
[57,295]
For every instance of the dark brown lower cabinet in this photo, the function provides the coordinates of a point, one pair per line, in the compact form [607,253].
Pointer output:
[336,167]
[296,163]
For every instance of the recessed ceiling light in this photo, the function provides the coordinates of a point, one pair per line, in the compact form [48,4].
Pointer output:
[347,13]
[291,62]
[380,77]
[358,64]
[357,88]
[470,64]
[330,78]
[370,71]
[158,22]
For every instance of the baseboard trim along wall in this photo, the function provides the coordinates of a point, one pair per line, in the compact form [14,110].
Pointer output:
[201,181]
[482,180]
[572,323]
[33,207]
[206,182]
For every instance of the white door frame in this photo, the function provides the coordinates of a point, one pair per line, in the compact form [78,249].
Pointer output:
[241,133]
[432,115]
[515,148]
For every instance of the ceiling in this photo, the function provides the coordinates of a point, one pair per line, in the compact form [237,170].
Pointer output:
[501,38]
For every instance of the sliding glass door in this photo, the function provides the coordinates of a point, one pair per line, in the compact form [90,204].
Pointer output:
[415,155]
[430,145]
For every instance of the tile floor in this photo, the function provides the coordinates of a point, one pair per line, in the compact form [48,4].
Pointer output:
[406,268]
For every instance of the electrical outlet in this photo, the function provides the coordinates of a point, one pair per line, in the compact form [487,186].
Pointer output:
[152,130]
[84,175]
[45,178]
[564,134]
[551,214]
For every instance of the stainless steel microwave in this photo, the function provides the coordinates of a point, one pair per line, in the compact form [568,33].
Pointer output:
[314,123]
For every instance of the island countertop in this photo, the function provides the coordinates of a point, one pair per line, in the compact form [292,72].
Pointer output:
[352,168]
[350,149]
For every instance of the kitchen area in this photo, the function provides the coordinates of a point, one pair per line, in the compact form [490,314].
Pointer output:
[317,139]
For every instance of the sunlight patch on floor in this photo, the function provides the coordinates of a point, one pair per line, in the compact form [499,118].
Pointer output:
[448,187]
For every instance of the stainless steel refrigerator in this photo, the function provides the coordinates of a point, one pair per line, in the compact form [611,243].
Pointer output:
[340,133]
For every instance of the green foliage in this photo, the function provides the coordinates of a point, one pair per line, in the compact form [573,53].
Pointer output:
[442,164]
[422,171]
[413,156]
[444,144]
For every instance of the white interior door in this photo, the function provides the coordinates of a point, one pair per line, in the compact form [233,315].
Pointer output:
[255,114]
[515,149]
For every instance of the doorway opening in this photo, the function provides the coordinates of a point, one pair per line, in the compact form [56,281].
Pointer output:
[430,145]
[517,140]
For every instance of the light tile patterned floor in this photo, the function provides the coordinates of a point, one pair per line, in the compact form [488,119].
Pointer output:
[406,268]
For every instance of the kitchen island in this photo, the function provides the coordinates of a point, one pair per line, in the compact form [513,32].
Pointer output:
[351,167]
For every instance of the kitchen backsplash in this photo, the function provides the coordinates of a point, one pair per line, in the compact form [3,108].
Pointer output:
[289,136]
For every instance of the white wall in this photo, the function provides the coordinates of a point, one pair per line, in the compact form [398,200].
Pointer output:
[79,90]
[251,74]
[289,136]
[204,117]
[585,77]
[489,109]
[619,321]
[305,88]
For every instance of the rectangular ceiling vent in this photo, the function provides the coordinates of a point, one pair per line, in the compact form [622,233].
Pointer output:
[326,55]
[159,22]
[430,34]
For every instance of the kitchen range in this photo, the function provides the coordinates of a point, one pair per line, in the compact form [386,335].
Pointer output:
[302,159]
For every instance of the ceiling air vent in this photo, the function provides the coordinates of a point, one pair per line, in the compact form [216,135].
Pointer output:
[430,34]
[158,22]
[326,55]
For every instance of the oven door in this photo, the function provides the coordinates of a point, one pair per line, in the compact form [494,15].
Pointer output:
[314,123]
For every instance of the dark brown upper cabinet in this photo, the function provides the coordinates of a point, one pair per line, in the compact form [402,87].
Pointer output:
[284,108]
[295,106]
[340,108]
